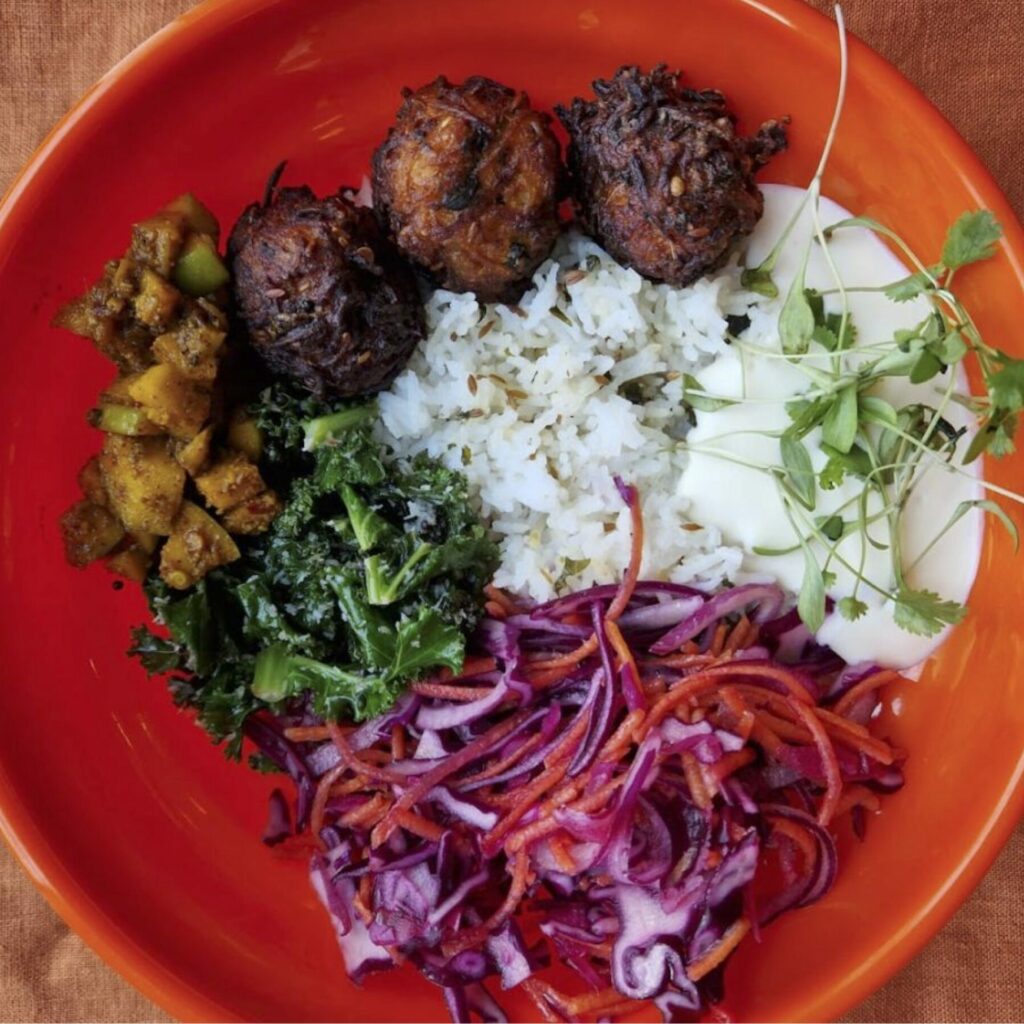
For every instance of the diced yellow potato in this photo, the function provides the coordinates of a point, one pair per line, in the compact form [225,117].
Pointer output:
[231,480]
[132,563]
[197,544]
[172,400]
[192,349]
[146,542]
[244,435]
[254,515]
[90,480]
[156,300]
[143,482]
[157,241]
[89,532]
[195,215]
[116,392]
[195,454]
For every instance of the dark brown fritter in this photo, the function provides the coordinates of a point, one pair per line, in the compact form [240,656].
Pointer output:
[660,178]
[325,297]
[468,181]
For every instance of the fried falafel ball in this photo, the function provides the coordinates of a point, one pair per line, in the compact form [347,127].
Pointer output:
[325,296]
[468,181]
[659,176]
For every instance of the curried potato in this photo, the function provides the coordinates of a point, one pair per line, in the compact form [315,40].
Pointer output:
[195,454]
[143,481]
[156,301]
[193,347]
[197,544]
[253,516]
[90,480]
[231,480]
[171,400]
[89,532]
[157,241]
[244,435]
[132,564]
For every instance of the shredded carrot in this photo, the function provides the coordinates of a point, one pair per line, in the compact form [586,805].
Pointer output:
[446,691]
[349,758]
[306,733]
[508,761]
[595,1004]
[744,717]
[495,610]
[681,661]
[574,657]
[621,648]
[499,597]
[362,898]
[798,835]
[320,798]
[398,742]
[537,990]
[560,851]
[525,799]
[450,765]
[478,935]
[368,814]
[476,666]
[686,689]
[632,574]
[718,953]
[731,762]
[353,785]
[853,735]
[695,780]
[783,727]
[776,673]
[857,796]
[718,640]
[829,761]
[854,694]
[420,826]
[624,736]
[544,826]
[544,678]
[737,639]
[765,737]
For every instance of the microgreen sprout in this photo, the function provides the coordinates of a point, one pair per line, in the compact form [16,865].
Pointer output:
[865,436]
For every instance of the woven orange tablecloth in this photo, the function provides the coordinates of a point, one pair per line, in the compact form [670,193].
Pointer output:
[965,54]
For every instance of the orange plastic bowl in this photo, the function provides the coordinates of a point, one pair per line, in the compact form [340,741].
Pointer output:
[132,824]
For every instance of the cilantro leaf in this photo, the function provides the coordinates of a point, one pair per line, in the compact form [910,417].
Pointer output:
[972,237]
[851,608]
[1006,385]
[924,613]
[833,474]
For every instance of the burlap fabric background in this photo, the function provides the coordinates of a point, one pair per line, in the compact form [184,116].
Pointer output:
[965,54]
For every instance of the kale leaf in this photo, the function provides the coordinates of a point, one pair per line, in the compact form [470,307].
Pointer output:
[371,575]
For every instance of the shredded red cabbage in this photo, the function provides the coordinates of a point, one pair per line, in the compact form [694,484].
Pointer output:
[651,786]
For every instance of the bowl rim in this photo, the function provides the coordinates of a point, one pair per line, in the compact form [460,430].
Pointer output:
[43,864]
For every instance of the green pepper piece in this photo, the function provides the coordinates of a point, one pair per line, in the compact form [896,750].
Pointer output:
[199,269]
[123,419]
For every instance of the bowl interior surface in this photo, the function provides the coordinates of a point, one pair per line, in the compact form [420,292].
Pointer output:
[126,815]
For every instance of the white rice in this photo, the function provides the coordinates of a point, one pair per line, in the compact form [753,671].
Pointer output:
[528,403]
